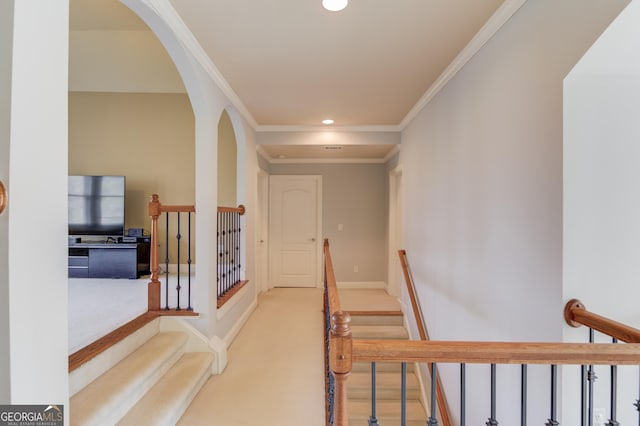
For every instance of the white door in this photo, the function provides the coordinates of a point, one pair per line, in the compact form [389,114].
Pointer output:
[262,258]
[295,230]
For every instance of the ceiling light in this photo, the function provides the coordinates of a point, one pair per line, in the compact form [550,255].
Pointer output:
[327,121]
[334,5]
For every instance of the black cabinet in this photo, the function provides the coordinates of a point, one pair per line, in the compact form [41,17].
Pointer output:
[128,260]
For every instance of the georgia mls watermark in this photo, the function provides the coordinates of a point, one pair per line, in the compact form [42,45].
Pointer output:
[31,415]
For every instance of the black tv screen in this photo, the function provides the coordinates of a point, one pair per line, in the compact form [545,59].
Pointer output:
[96,205]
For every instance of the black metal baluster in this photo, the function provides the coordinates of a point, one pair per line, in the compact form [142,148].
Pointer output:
[178,238]
[403,394]
[583,395]
[236,246]
[219,252]
[433,417]
[463,394]
[637,403]
[229,252]
[591,378]
[492,420]
[189,263]
[239,219]
[523,395]
[552,421]
[614,394]
[373,420]
[166,263]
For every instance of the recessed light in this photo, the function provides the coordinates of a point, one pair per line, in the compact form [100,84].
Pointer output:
[327,121]
[334,5]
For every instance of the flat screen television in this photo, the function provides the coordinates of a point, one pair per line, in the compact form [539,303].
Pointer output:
[96,206]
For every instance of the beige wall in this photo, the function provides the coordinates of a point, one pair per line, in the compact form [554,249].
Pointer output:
[354,196]
[227,162]
[149,138]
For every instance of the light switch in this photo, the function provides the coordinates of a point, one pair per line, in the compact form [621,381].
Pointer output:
[340,227]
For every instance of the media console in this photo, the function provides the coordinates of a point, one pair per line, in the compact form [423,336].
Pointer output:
[109,260]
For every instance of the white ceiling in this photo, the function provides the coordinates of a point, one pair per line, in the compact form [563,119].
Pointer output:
[292,63]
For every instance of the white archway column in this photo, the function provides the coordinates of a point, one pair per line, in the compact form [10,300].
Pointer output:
[34,226]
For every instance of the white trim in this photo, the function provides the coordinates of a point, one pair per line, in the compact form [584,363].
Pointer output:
[224,310]
[489,29]
[327,161]
[231,335]
[361,284]
[295,128]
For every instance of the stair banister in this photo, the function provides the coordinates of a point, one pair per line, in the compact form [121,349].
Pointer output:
[576,315]
[424,336]
[156,208]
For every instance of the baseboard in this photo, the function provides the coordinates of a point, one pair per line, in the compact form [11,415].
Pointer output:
[361,284]
[231,335]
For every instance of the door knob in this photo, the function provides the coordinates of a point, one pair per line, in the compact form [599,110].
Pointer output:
[313,239]
[3,197]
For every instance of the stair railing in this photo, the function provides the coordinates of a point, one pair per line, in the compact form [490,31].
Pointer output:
[156,208]
[577,315]
[424,335]
[343,351]
[229,243]
[229,238]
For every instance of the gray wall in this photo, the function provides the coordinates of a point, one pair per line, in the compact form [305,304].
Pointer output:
[482,169]
[355,196]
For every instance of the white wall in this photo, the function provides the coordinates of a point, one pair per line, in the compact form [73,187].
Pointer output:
[6,60]
[601,199]
[37,209]
[482,169]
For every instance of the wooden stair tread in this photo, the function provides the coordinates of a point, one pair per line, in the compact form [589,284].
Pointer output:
[383,379]
[168,399]
[107,398]
[360,409]
[395,332]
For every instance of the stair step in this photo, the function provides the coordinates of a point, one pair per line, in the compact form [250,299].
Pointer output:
[382,367]
[377,320]
[165,402]
[387,412]
[103,362]
[387,386]
[105,400]
[394,332]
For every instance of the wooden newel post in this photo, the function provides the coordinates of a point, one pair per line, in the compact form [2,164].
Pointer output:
[153,288]
[340,362]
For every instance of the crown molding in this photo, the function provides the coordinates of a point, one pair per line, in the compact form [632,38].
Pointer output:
[488,30]
[328,128]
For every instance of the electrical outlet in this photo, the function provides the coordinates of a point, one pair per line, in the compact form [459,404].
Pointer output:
[599,417]
[355,268]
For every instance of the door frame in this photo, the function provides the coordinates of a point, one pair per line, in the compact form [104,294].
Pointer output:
[262,234]
[394,278]
[319,239]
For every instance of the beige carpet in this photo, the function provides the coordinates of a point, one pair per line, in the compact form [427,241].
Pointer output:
[275,374]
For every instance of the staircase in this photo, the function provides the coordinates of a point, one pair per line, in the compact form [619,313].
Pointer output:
[148,378]
[386,323]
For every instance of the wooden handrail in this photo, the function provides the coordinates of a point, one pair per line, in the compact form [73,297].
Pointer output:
[495,352]
[332,288]
[576,315]
[240,209]
[441,399]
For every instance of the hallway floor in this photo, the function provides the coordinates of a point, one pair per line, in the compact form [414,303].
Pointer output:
[275,370]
